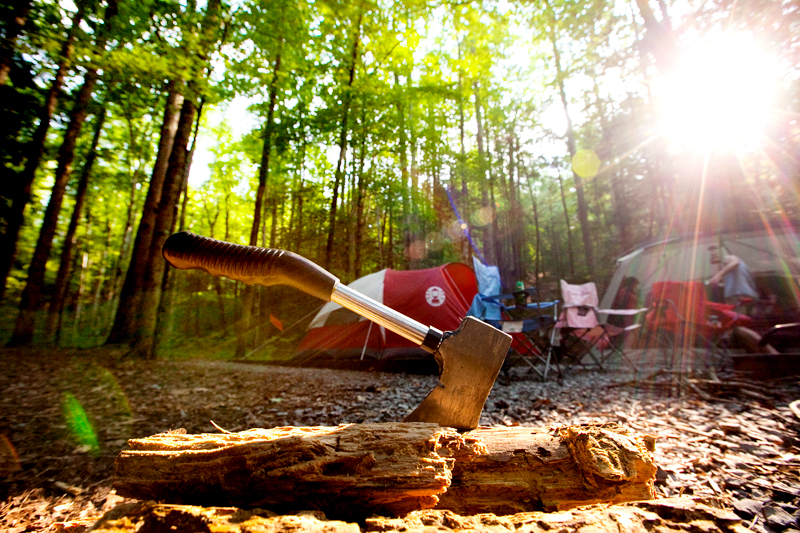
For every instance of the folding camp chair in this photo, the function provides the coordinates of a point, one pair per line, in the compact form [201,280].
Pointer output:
[529,322]
[681,316]
[582,334]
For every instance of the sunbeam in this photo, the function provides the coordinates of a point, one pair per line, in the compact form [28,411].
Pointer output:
[720,95]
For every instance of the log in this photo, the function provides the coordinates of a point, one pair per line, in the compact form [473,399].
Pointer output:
[677,515]
[357,470]
[386,468]
[550,469]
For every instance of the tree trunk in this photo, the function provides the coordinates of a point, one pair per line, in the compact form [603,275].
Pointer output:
[151,282]
[361,189]
[166,305]
[263,170]
[67,250]
[85,265]
[556,240]
[358,470]
[348,97]
[538,234]
[140,332]
[7,44]
[516,225]
[97,321]
[405,190]
[188,168]
[488,228]
[117,279]
[566,219]
[462,196]
[125,318]
[503,222]
[661,42]
[20,190]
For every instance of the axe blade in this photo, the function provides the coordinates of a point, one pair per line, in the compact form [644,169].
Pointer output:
[471,358]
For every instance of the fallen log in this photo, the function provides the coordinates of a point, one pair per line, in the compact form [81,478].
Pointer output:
[550,469]
[677,515]
[358,470]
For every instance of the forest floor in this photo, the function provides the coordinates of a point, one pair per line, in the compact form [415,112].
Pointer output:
[65,415]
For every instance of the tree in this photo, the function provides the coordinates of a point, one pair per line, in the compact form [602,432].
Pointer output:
[53,327]
[31,295]
[19,190]
[15,20]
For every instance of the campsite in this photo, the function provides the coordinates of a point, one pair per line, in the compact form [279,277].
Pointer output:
[347,265]
[723,440]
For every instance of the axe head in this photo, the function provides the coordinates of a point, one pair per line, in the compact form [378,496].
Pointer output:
[470,359]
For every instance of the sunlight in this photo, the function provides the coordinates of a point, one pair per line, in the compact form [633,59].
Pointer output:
[720,95]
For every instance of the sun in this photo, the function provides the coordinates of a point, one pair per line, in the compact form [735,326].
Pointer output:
[719,95]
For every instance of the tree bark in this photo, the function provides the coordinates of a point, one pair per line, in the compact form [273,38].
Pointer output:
[566,219]
[21,188]
[151,282]
[485,183]
[117,279]
[412,263]
[356,470]
[125,319]
[166,306]
[99,323]
[516,225]
[70,239]
[85,264]
[263,170]
[534,205]
[361,193]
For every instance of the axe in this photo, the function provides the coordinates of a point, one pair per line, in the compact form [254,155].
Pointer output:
[469,358]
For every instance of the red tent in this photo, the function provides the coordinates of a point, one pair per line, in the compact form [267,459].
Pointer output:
[438,297]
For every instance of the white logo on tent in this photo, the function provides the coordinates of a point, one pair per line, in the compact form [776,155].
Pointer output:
[434,296]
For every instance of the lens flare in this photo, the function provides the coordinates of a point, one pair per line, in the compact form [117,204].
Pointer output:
[435,241]
[417,250]
[720,95]
[586,164]
[483,216]
[78,423]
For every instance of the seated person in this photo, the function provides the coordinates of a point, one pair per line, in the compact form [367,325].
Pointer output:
[734,276]
[627,298]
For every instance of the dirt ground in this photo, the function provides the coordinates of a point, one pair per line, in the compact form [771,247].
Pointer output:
[64,417]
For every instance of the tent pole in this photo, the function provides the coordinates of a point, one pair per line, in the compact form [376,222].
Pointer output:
[364,349]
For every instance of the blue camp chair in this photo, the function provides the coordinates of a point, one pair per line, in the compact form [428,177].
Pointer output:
[530,323]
